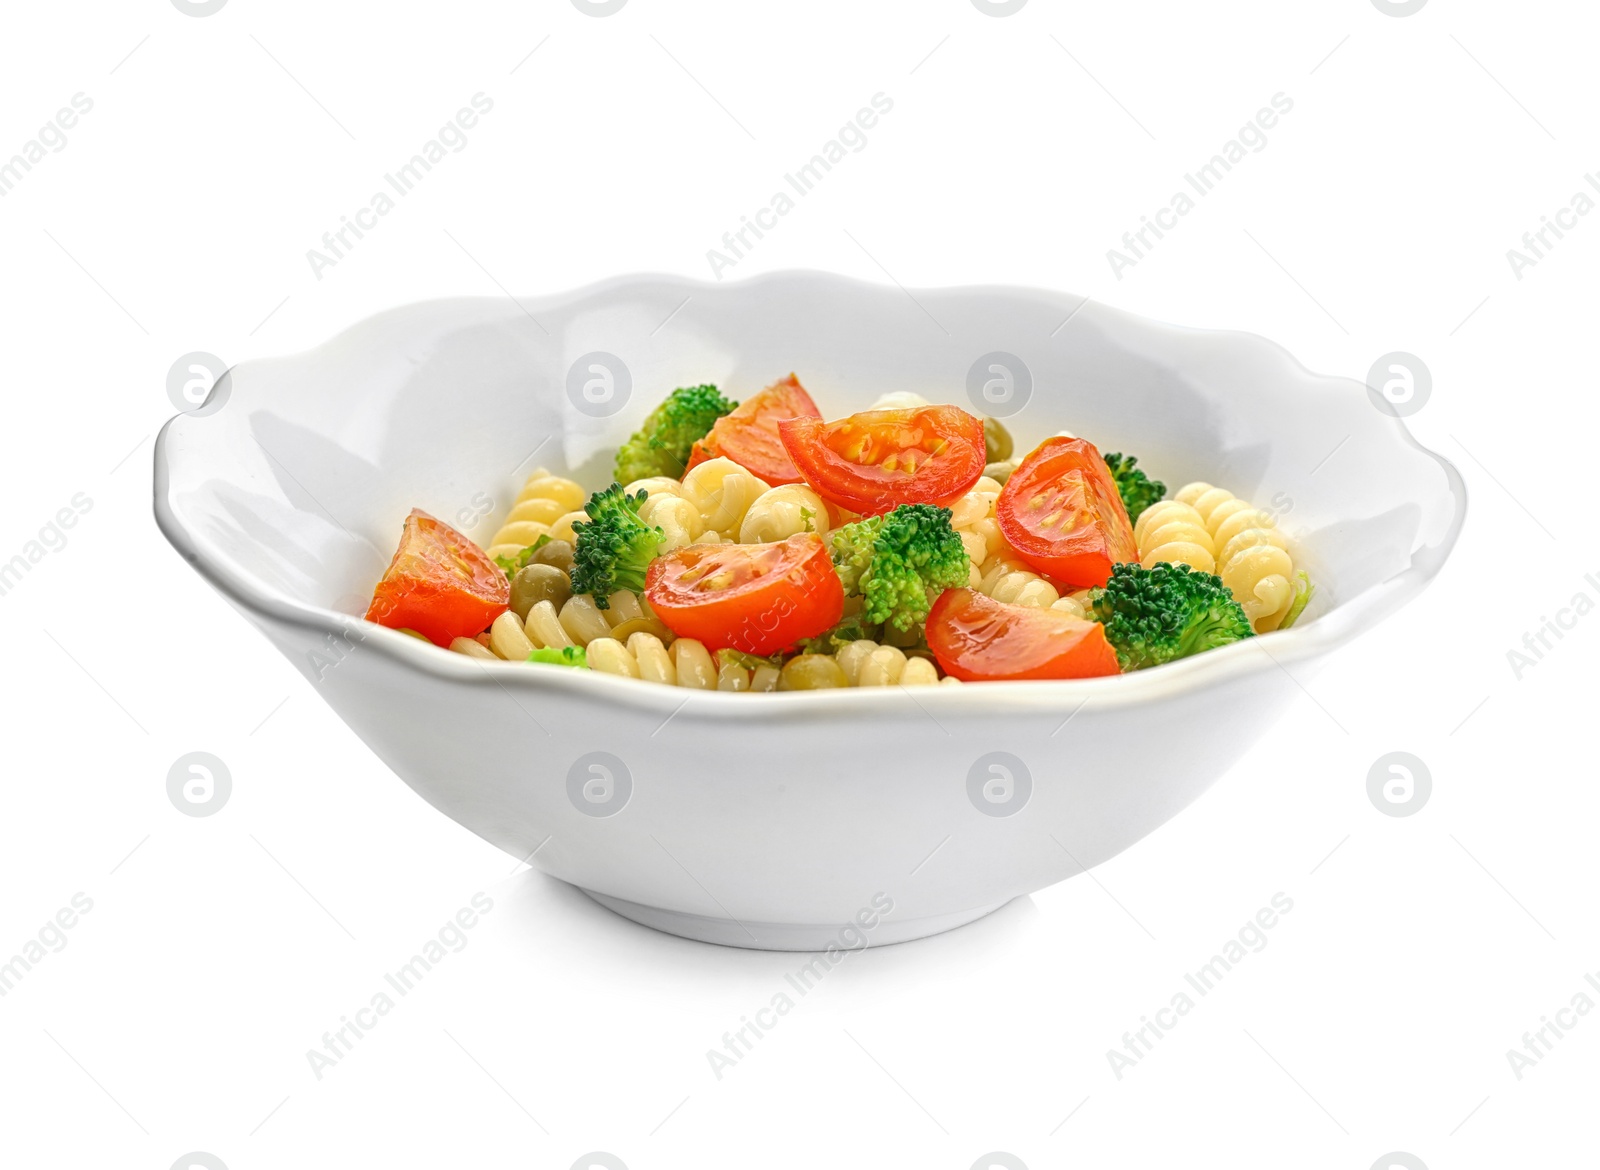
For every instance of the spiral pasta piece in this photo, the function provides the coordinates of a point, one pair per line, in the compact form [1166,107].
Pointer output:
[1012,582]
[562,529]
[687,663]
[781,512]
[679,520]
[473,648]
[969,509]
[507,639]
[624,606]
[882,668]
[1174,532]
[852,655]
[693,664]
[609,656]
[972,517]
[655,485]
[1077,604]
[652,658]
[718,501]
[629,613]
[584,620]
[543,500]
[1252,556]
[722,493]
[899,400]
[543,627]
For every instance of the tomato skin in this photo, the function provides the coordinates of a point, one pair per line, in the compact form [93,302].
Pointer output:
[856,462]
[978,639]
[699,453]
[749,435]
[439,584]
[1075,483]
[780,592]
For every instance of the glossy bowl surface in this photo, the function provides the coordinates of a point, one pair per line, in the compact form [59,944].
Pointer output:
[786,821]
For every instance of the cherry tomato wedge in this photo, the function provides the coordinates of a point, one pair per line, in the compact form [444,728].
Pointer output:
[875,461]
[439,584]
[749,435]
[978,639]
[1063,514]
[758,598]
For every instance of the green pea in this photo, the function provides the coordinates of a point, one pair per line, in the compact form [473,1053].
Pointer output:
[554,552]
[1000,472]
[812,672]
[535,583]
[997,443]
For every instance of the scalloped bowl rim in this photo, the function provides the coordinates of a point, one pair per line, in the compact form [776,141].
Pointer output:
[1316,638]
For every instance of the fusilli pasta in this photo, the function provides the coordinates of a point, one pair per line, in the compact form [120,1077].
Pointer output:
[472,648]
[1252,556]
[781,512]
[973,518]
[899,400]
[678,519]
[544,500]
[1009,580]
[722,492]
[685,662]
[1076,604]
[609,656]
[583,620]
[718,501]
[654,486]
[1172,532]
[640,654]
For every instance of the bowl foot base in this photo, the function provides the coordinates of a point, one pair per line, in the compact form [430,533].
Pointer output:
[781,936]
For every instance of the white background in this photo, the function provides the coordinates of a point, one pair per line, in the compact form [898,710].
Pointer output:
[1377,218]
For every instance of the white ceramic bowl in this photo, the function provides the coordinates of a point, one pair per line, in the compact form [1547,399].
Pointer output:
[783,821]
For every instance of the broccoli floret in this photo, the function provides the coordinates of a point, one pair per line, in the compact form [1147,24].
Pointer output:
[1166,612]
[661,445]
[1137,489]
[1303,589]
[852,552]
[892,561]
[561,656]
[615,548]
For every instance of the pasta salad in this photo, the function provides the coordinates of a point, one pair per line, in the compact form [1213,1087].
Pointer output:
[761,547]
